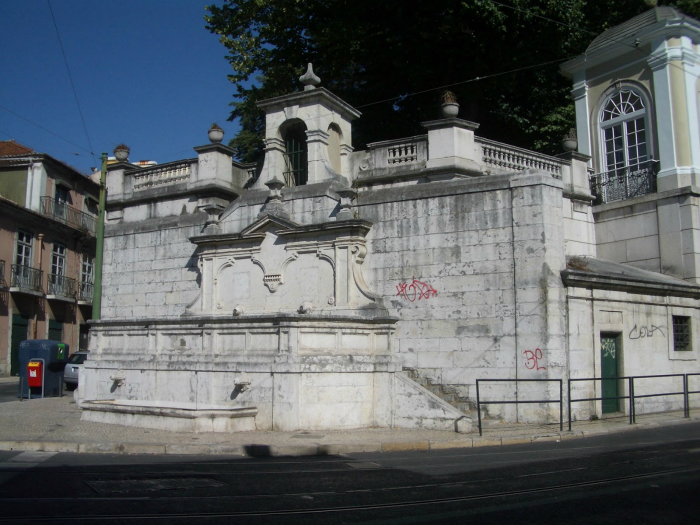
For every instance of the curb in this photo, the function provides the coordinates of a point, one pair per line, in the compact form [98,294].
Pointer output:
[318,449]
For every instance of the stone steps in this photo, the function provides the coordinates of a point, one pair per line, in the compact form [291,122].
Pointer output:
[447,393]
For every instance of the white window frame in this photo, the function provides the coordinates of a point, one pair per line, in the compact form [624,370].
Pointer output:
[58,259]
[87,269]
[24,249]
[623,120]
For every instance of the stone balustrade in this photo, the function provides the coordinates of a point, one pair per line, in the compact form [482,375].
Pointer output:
[162,175]
[398,153]
[510,158]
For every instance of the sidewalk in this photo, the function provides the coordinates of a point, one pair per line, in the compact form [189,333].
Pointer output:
[53,424]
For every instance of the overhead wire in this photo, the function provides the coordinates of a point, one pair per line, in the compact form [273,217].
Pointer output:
[46,129]
[70,76]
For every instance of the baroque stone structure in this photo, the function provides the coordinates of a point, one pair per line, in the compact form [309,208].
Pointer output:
[332,288]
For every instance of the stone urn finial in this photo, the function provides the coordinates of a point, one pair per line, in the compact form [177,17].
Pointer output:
[216,134]
[121,152]
[450,107]
[309,79]
[570,141]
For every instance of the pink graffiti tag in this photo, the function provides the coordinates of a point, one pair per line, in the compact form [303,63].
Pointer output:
[415,290]
[533,358]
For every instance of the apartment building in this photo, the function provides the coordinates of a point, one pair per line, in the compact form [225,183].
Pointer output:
[48,217]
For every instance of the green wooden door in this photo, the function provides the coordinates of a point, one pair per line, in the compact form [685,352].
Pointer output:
[610,352]
[20,325]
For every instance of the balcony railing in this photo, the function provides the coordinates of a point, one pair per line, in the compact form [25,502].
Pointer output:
[85,292]
[61,212]
[61,286]
[3,282]
[26,279]
[625,183]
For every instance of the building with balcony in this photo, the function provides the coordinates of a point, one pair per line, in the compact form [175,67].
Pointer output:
[48,214]
[334,288]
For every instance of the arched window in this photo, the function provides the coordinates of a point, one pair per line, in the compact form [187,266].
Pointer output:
[625,140]
[624,130]
[296,172]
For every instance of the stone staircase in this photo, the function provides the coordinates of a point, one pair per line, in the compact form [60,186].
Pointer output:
[447,393]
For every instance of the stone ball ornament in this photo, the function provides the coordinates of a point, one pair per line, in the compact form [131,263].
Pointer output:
[216,134]
[121,152]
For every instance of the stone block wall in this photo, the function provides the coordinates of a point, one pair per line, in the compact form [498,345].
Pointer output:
[472,270]
[644,327]
[149,267]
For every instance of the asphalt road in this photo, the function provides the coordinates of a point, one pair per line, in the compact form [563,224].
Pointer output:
[645,476]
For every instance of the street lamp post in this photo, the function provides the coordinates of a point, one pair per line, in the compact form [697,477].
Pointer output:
[97,291]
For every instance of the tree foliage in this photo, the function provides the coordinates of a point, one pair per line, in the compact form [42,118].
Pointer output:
[392,60]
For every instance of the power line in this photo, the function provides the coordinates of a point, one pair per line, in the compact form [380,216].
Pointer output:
[581,30]
[75,93]
[475,79]
[46,129]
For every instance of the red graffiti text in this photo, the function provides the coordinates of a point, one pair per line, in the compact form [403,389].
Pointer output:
[415,290]
[532,361]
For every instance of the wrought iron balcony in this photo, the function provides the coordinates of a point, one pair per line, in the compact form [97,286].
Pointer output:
[85,292]
[61,212]
[61,287]
[625,183]
[26,279]
[3,282]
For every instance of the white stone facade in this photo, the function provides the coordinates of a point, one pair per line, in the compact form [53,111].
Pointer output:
[382,289]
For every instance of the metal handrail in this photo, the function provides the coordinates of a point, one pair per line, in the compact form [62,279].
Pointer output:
[61,212]
[62,286]
[26,278]
[560,400]
[625,182]
[631,396]
[688,392]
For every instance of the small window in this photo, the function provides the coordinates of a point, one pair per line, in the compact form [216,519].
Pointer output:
[296,164]
[681,333]
[62,194]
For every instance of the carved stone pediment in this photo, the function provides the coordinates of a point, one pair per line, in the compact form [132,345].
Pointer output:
[278,266]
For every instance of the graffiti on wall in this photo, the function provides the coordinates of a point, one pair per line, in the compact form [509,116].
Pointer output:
[415,290]
[533,358]
[645,331]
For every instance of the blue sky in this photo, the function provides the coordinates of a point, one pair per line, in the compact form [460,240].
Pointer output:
[147,73]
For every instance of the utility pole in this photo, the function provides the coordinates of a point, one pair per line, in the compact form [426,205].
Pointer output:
[97,290]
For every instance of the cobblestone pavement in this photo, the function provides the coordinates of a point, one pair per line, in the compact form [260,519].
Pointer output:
[54,424]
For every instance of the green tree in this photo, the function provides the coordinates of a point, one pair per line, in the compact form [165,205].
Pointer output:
[392,59]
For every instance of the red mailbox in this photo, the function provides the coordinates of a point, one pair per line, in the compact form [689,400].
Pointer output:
[35,374]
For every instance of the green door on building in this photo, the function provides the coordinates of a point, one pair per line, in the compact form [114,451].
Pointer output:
[20,326]
[55,330]
[609,360]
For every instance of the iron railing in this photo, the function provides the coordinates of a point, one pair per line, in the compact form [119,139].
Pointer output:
[625,183]
[61,286]
[85,292]
[631,395]
[3,282]
[26,279]
[517,402]
[61,212]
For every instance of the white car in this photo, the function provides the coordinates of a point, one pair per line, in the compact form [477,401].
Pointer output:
[72,369]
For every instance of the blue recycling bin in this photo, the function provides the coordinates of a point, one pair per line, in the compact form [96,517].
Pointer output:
[54,355]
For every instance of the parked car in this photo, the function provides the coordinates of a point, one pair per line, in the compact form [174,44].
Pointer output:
[72,370]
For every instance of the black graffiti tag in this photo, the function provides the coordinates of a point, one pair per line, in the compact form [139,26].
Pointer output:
[645,331]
